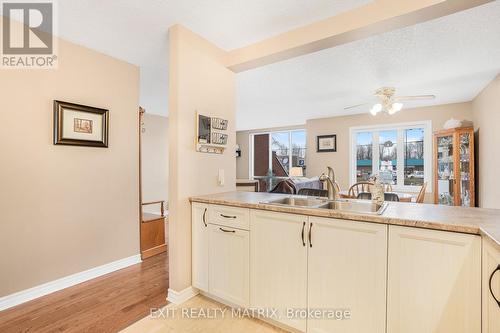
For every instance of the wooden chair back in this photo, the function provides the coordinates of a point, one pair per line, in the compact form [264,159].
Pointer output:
[421,194]
[358,188]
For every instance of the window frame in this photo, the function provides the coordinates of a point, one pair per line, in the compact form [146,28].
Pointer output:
[270,133]
[400,128]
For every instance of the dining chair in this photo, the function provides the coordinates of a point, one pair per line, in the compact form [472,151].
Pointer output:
[313,192]
[358,188]
[387,196]
[391,196]
[337,186]
[364,196]
[421,194]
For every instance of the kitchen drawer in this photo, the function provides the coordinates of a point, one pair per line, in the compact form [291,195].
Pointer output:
[229,253]
[232,217]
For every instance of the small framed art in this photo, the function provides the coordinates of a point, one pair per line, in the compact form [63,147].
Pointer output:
[80,125]
[326,143]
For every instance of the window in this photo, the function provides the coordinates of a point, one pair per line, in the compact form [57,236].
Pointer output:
[388,160]
[277,155]
[414,156]
[363,156]
[280,147]
[400,154]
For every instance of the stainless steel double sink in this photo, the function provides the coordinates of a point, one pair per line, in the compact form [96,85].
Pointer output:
[343,205]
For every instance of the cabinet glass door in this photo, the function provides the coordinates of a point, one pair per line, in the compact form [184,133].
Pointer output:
[465,169]
[445,170]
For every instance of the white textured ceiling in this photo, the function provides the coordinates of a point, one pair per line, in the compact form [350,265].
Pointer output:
[136,30]
[453,57]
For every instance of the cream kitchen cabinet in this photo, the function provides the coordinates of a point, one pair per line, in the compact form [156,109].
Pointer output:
[387,278]
[278,264]
[347,265]
[434,281]
[220,252]
[491,288]
[233,217]
[199,242]
[229,264]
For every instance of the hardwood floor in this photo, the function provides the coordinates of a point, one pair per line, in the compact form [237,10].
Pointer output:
[105,304]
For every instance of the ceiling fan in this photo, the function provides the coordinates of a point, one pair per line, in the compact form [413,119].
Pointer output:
[388,102]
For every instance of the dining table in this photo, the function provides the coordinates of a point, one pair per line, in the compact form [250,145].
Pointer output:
[403,197]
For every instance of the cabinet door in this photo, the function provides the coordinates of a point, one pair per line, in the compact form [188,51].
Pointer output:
[491,310]
[347,265]
[199,248]
[445,169]
[465,174]
[278,264]
[229,264]
[434,281]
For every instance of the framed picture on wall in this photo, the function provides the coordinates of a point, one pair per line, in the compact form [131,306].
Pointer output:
[80,125]
[326,143]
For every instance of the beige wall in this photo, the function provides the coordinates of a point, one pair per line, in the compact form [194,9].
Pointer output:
[66,209]
[154,150]
[486,108]
[317,162]
[242,138]
[198,82]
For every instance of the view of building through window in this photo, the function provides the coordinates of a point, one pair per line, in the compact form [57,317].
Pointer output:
[278,155]
[364,156]
[280,147]
[399,157]
[414,156]
[388,151]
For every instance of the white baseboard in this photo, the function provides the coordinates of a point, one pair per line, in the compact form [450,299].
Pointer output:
[65,282]
[178,297]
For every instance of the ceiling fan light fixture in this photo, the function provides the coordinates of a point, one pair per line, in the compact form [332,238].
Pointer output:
[376,109]
[395,107]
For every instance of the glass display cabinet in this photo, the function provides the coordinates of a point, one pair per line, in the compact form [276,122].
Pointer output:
[454,167]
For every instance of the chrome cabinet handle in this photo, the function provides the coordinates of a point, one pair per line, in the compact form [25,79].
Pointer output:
[310,231]
[224,230]
[228,216]
[491,289]
[303,240]
[204,218]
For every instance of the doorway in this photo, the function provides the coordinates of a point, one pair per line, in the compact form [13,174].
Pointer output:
[153,172]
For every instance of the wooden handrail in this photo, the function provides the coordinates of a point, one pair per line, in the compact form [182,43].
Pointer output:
[162,205]
[152,202]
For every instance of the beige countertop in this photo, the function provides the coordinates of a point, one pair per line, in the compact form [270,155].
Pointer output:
[479,221]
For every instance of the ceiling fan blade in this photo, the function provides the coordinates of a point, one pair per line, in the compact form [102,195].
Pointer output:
[414,98]
[355,106]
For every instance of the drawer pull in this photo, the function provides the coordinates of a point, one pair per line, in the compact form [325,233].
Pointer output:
[303,240]
[491,289]
[224,230]
[228,216]
[204,218]
[310,231]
